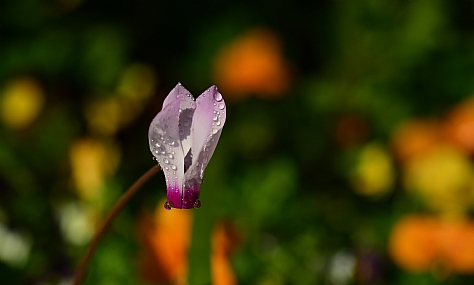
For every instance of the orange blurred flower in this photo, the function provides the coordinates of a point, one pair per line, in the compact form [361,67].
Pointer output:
[252,63]
[224,240]
[460,125]
[351,130]
[415,137]
[412,243]
[166,238]
[418,243]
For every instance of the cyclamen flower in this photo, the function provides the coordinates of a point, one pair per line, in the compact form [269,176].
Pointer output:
[183,137]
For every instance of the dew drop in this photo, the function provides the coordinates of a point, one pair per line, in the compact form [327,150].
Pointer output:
[218,123]
[186,123]
[173,167]
[167,206]
[167,168]
[218,96]
[158,145]
[221,106]
[215,118]
[165,160]
[197,204]
[172,143]
[171,156]
[214,131]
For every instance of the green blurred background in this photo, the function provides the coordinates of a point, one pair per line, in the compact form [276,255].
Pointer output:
[346,157]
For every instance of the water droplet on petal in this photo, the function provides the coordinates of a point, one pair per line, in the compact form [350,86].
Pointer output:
[167,206]
[215,118]
[165,160]
[197,204]
[171,156]
[218,123]
[221,106]
[214,131]
[173,167]
[186,123]
[218,96]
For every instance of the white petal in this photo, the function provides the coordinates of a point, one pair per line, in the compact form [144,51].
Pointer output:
[166,139]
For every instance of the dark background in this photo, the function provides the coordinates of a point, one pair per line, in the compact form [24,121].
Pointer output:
[307,179]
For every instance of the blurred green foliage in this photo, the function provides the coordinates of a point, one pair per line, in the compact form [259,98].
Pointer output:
[280,174]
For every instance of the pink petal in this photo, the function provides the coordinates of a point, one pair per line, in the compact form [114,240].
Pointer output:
[169,139]
[209,118]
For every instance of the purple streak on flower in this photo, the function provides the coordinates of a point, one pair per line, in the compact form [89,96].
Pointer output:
[183,137]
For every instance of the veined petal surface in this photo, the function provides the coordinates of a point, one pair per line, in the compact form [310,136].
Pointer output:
[183,137]
[209,118]
[169,138]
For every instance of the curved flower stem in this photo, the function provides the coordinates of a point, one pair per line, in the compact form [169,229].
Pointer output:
[81,269]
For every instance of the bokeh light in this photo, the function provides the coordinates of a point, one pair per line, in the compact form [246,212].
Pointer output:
[347,155]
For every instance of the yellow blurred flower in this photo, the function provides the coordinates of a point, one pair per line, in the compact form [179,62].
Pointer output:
[443,177]
[373,174]
[252,64]
[21,102]
[105,116]
[138,81]
[91,161]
